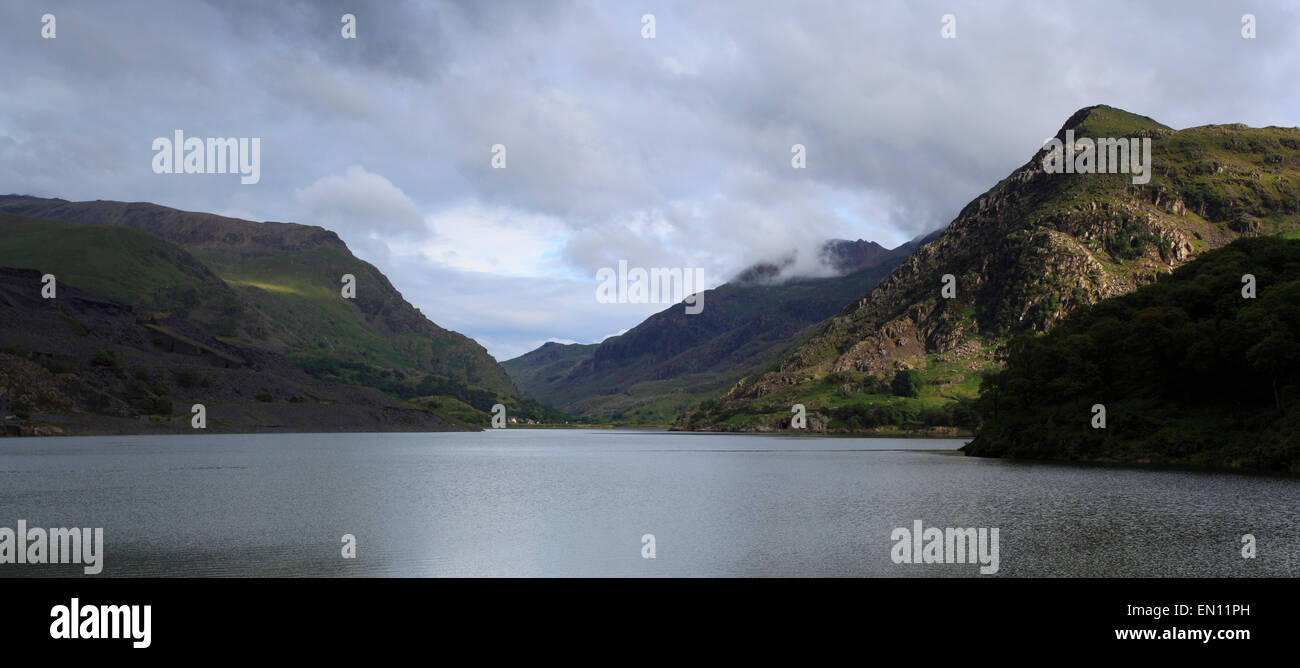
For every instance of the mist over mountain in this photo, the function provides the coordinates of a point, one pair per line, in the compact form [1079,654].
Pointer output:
[835,257]
[673,359]
[1030,250]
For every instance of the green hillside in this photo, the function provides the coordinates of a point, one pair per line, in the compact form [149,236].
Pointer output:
[126,265]
[534,370]
[281,293]
[256,288]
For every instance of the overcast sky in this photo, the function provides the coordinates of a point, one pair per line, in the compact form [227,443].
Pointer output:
[666,152]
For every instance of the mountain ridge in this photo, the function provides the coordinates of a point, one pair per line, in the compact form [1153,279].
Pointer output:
[1024,253]
[86,363]
[671,360]
[276,266]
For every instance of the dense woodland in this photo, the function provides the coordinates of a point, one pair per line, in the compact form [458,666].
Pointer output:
[1188,369]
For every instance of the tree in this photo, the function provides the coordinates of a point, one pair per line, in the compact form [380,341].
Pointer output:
[907,383]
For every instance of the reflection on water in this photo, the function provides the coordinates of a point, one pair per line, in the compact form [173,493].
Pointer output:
[577,502]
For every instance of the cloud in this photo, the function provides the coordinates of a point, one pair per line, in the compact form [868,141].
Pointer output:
[494,241]
[671,152]
[360,201]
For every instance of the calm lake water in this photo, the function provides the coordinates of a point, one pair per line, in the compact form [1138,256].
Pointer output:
[577,503]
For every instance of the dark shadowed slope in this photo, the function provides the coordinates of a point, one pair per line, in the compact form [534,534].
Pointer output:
[673,359]
[1188,370]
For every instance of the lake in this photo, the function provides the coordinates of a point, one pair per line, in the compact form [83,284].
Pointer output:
[521,502]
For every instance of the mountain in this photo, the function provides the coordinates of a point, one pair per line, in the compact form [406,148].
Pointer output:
[672,360]
[152,300]
[1188,371]
[285,279]
[534,370]
[1030,250]
[86,362]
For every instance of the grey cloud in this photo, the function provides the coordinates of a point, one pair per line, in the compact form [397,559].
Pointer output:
[674,149]
[361,198]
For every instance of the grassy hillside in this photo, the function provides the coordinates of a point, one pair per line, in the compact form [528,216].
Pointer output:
[241,295]
[125,265]
[86,364]
[536,369]
[281,292]
[301,288]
